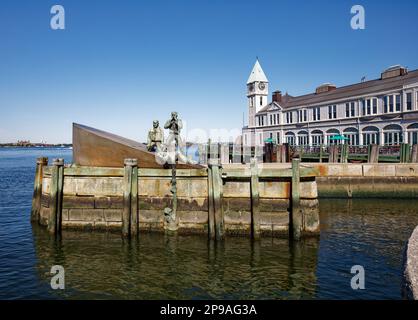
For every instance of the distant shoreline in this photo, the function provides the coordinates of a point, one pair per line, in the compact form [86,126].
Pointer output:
[61,145]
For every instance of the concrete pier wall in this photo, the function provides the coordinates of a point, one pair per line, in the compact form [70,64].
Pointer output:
[95,201]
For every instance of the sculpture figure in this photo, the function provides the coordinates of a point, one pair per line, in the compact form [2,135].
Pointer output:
[155,137]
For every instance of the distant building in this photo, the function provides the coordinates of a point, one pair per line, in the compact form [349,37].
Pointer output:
[382,111]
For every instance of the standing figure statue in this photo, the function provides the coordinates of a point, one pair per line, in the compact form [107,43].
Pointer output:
[155,137]
[174,125]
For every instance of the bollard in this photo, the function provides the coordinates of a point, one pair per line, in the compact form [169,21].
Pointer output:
[296,216]
[56,195]
[255,200]
[37,189]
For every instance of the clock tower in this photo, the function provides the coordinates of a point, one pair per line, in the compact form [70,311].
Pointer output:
[257,92]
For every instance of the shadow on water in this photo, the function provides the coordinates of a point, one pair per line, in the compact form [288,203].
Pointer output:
[158,266]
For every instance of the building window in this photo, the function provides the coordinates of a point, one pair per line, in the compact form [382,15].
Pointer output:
[261,101]
[350,109]
[302,116]
[409,101]
[392,103]
[332,112]
[289,117]
[369,106]
[316,114]
[398,102]
[271,119]
[278,138]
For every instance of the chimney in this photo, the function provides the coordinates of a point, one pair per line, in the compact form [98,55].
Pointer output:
[277,96]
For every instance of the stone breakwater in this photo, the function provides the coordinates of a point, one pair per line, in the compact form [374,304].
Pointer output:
[410,288]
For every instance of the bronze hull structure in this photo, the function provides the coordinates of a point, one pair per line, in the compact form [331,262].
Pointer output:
[97,148]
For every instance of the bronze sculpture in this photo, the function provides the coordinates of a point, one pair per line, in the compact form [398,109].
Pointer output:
[155,137]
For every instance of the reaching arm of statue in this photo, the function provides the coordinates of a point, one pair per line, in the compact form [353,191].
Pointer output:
[180,124]
[167,124]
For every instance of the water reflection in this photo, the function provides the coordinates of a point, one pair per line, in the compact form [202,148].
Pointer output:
[158,266]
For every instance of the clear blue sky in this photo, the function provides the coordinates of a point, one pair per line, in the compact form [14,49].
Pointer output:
[120,64]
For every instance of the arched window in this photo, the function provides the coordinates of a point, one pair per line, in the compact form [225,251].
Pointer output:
[330,133]
[317,137]
[290,138]
[352,135]
[392,135]
[303,138]
[370,135]
[413,133]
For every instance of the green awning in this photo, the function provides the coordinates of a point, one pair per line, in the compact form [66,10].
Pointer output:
[270,140]
[338,137]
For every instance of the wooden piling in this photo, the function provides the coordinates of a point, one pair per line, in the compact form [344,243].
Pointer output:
[405,153]
[134,199]
[217,200]
[414,153]
[127,194]
[211,210]
[296,215]
[56,195]
[373,153]
[344,153]
[37,189]
[321,152]
[255,200]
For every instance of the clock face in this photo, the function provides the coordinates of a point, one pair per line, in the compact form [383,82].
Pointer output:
[261,86]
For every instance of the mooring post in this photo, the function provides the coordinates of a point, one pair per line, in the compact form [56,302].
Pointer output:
[217,200]
[56,195]
[296,216]
[344,153]
[321,152]
[127,194]
[255,200]
[134,199]
[414,153]
[405,153]
[37,189]
[373,153]
[211,210]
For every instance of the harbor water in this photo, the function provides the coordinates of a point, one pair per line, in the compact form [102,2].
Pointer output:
[370,233]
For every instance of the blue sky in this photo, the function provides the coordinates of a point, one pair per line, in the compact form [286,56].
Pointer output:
[120,64]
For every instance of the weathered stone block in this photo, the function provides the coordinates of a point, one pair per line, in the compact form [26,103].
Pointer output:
[113,215]
[236,189]
[406,170]
[237,217]
[90,215]
[108,202]
[379,170]
[151,216]
[236,204]
[272,205]
[274,189]
[193,217]
[73,202]
[96,186]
